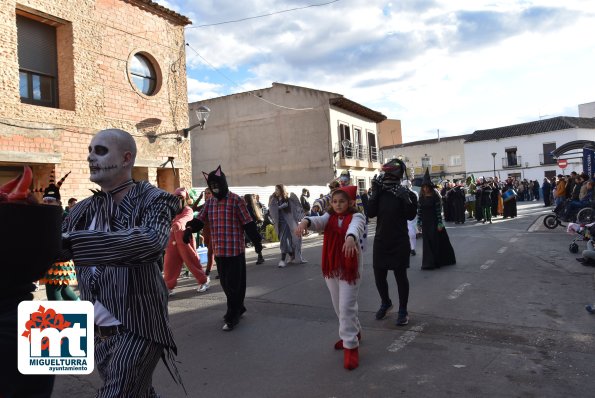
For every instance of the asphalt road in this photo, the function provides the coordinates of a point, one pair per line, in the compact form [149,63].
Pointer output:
[507,320]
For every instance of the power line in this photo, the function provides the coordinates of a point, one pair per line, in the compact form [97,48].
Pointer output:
[239,85]
[263,15]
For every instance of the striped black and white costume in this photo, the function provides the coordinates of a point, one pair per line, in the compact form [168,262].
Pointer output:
[117,250]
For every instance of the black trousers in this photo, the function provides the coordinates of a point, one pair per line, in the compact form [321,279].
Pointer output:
[232,275]
[13,384]
[380,277]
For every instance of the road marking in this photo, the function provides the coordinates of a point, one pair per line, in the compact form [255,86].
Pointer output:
[406,338]
[487,264]
[512,240]
[458,291]
[502,250]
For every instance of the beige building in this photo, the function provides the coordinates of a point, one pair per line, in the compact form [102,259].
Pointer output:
[389,133]
[445,157]
[70,68]
[286,134]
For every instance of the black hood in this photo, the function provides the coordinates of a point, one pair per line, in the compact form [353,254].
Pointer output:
[217,178]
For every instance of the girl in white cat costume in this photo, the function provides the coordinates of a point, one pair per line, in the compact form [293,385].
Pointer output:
[342,264]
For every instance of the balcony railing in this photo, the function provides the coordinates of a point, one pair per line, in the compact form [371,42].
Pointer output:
[513,161]
[373,154]
[548,159]
[357,152]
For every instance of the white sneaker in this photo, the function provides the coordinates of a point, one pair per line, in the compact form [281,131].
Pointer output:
[171,293]
[282,264]
[205,286]
[303,261]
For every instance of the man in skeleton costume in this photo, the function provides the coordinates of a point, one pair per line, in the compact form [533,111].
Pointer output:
[228,218]
[116,238]
[394,205]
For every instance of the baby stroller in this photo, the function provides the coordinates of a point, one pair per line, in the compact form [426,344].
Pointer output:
[583,233]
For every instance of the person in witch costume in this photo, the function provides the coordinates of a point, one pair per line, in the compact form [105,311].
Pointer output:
[342,264]
[61,274]
[437,248]
[392,204]
[228,218]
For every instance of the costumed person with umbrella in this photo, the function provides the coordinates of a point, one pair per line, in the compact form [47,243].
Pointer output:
[392,204]
[437,248]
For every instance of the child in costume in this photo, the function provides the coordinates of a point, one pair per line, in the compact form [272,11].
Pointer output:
[178,252]
[61,275]
[342,264]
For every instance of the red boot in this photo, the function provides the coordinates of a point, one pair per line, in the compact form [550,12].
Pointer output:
[350,358]
[339,344]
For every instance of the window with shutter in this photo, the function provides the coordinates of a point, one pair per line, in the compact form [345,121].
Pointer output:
[38,64]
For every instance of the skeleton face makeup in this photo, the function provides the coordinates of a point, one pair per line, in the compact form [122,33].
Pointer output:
[109,161]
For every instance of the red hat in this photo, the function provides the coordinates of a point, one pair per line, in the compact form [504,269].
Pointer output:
[350,190]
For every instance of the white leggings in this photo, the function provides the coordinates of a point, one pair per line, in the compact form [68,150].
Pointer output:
[344,297]
[412,227]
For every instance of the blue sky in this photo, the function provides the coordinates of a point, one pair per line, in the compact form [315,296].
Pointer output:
[456,65]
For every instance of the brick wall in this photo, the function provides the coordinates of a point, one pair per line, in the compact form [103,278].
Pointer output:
[95,40]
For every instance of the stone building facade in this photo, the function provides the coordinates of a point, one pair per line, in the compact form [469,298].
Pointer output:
[286,134]
[71,68]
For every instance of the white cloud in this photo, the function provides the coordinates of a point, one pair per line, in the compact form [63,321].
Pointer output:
[456,65]
[198,90]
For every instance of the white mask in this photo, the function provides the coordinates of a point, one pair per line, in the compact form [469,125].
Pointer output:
[106,160]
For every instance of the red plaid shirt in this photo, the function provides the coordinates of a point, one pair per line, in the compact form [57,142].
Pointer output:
[226,218]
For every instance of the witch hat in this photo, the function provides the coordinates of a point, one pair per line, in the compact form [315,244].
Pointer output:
[427,180]
[53,189]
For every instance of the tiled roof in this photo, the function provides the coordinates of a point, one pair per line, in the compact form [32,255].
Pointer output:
[181,19]
[539,126]
[430,141]
[358,109]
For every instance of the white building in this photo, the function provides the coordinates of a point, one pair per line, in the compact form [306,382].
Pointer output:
[524,150]
[444,157]
[286,134]
[586,110]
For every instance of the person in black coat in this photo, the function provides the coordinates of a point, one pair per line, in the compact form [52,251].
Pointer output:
[437,248]
[458,204]
[536,190]
[495,198]
[510,209]
[392,204]
[547,190]
[478,207]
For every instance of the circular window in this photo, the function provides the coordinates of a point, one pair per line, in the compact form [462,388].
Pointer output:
[143,74]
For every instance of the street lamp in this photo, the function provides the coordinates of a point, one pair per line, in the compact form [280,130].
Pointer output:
[202,114]
[494,156]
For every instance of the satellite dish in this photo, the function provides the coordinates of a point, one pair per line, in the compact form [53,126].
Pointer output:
[345,144]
